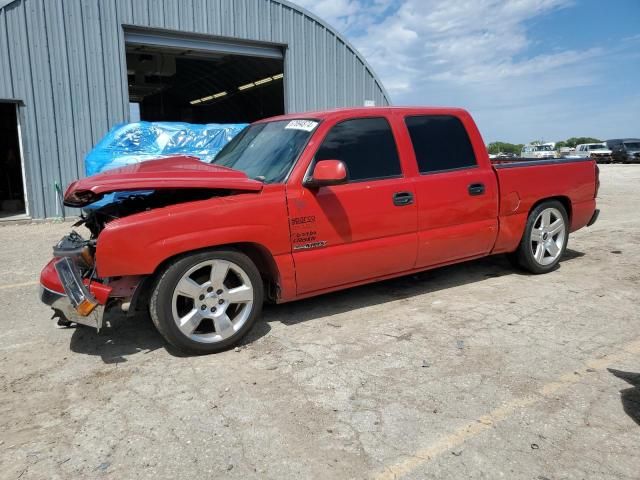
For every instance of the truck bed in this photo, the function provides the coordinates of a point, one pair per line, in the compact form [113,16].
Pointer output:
[523,182]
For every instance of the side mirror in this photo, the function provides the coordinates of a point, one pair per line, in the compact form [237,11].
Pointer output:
[326,173]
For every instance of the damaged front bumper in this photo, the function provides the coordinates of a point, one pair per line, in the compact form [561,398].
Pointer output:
[66,313]
[72,297]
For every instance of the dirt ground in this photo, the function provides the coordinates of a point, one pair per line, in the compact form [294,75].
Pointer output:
[470,371]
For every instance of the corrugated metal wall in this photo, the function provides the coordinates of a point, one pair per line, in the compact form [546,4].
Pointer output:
[65,60]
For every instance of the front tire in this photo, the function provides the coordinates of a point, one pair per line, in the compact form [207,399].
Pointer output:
[206,302]
[545,238]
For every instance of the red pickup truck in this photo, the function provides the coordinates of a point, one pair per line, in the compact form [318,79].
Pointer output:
[304,204]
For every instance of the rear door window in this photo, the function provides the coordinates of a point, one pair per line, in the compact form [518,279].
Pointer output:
[440,142]
[366,146]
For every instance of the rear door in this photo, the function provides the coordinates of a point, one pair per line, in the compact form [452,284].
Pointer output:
[457,195]
[360,230]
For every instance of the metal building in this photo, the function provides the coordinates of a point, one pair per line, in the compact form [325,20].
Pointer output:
[72,69]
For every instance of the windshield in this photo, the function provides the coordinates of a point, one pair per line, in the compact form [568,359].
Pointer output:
[597,146]
[543,148]
[267,151]
[632,145]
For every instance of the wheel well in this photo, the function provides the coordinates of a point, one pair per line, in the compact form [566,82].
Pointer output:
[565,201]
[265,264]
[258,254]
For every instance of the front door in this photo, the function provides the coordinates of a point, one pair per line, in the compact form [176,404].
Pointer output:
[360,230]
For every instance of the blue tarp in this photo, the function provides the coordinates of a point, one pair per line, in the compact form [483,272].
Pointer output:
[136,142]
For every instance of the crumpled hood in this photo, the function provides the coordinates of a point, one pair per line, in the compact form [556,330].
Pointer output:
[167,173]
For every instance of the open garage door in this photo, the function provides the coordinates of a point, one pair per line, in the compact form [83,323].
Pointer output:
[200,80]
[12,199]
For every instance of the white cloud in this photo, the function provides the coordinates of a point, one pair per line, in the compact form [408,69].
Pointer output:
[461,41]
[353,17]
[471,53]
[333,11]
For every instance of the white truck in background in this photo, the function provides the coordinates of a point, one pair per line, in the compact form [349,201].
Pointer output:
[538,151]
[598,151]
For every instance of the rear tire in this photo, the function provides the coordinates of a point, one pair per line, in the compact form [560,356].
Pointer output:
[206,302]
[545,238]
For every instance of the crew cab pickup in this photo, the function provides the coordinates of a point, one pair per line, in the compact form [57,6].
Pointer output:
[300,205]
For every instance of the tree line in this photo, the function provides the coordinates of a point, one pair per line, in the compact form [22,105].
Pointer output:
[505,147]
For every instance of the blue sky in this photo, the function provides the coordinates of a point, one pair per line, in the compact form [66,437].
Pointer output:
[526,69]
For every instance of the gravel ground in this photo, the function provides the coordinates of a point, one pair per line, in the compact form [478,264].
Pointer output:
[469,371]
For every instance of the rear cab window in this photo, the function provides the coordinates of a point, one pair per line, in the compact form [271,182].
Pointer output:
[366,146]
[440,143]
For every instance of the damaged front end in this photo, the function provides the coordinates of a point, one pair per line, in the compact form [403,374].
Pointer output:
[67,284]
[71,282]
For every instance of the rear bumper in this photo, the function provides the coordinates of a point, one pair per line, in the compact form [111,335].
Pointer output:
[594,217]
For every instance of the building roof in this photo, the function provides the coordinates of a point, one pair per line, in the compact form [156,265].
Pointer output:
[303,11]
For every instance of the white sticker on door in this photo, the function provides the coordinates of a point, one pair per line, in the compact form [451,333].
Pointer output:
[306,125]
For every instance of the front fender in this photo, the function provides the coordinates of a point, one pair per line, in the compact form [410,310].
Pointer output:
[138,244]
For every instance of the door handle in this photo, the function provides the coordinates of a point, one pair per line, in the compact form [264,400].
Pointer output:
[476,189]
[400,199]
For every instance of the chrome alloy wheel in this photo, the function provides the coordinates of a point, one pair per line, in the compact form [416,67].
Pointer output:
[548,236]
[212,301]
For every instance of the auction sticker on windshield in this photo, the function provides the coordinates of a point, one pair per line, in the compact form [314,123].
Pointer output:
[306,125]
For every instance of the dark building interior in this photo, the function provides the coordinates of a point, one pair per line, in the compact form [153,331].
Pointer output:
[173,85]
[11,186]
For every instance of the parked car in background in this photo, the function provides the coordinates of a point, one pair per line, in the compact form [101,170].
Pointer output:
[598,151]
[552,145]
[538,151]
[625,150]
[304,204]
[566,151]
